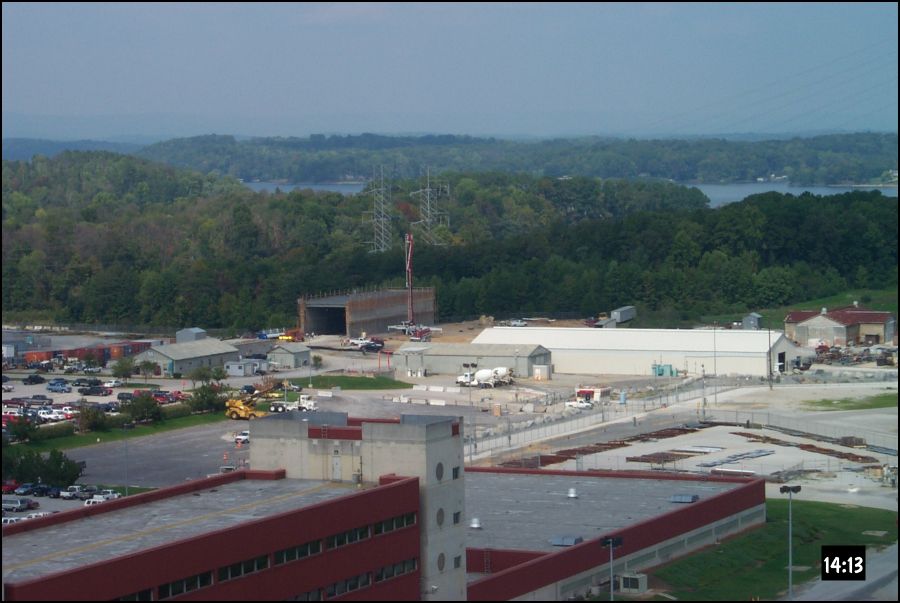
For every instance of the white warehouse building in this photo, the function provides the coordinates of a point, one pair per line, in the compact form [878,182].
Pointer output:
[639,351]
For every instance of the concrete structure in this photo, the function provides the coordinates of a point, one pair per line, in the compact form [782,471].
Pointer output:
[448,358]
[290,355]
[353,313]
[635,351]
[184,357]
[850,325]
[190,334]
[329,446]
[372,509]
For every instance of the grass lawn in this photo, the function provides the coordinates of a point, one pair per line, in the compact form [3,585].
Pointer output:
[77,441]
[879,401]
[755,564]
[344,382]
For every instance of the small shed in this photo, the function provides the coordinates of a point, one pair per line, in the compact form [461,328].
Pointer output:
[289,355]
[752,322]
[190,334]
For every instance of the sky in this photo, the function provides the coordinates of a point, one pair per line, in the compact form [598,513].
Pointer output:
[85,70]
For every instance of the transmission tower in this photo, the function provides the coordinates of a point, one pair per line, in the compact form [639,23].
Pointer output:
[432,216]
[381,221]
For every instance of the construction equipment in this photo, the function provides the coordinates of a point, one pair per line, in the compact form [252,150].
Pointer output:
[245,407]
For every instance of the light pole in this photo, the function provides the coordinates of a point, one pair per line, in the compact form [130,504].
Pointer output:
[715,367]
[310,372]
[125,427]
[611,543]
[790,491]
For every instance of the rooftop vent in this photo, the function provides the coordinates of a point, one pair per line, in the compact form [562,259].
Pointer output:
[475,524]
[566,540]
[684,498]
[572,493]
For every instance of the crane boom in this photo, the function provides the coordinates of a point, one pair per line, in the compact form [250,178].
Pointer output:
[409,279]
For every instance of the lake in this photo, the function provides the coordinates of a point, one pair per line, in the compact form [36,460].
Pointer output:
[719,194]
[722,194]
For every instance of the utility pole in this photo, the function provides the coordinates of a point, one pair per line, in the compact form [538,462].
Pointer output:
[432,217]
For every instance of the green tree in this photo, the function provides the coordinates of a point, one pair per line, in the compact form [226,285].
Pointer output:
[123,368]
[143,408]
[147,368]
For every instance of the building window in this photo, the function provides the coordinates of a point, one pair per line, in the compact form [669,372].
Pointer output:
[440,517]
[457,562]
[395,569]
[236,570]
[186,585]
[456,473]
[441,561]
[457,517]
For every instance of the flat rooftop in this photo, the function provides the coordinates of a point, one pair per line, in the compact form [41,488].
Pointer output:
[109,535]
[525,512]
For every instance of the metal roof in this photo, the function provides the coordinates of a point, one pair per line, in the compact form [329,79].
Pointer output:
[474,349]
[686,340]
[194,349]
[291,347]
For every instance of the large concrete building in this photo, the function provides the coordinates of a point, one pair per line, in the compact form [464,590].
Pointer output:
[353,313]
[449,358]
[380,509]
[637,351]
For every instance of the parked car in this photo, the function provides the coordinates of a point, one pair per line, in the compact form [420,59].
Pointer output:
[24,489]
[8,521]
[86,382]
[59,388]
[72,492]
[94,500]
[113,383]
[580,404]
[518,322]
[95,390]
[33,379]
[248,389]
[109,494]
[15,504]
[9,486]
[92,369]
[125,397]
[242,438]
[8,388]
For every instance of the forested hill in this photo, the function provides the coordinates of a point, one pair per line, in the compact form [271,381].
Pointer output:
[23,149]
[98,237]
[831,159]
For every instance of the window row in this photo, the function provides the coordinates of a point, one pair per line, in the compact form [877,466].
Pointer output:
[297,552]
[348,537]
[347,586]
[395,523]
[185,585]
[242,568]
[396,569]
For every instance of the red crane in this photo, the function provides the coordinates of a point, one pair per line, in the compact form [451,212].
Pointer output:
[409,280]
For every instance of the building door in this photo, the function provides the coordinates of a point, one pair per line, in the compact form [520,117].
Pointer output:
[336,466]
[781,361]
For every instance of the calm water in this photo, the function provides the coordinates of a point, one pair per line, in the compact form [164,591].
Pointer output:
[719,194]
[722,194]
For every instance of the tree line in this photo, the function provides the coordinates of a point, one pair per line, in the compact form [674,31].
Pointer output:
[829,159]
[103,238]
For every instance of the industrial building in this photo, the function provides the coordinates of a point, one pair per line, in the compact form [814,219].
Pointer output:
[355,312]
[449,358]
[851,325]
[589,351]
[250,347]
[361,509]
[182,358]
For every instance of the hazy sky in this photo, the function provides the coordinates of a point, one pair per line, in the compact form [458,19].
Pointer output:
[103,70]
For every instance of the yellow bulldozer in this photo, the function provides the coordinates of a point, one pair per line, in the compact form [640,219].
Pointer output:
[245,408]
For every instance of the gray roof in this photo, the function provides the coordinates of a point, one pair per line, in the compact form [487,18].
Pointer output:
[194,349]
[294,347]
[117,533]
[473,349]
[505,504]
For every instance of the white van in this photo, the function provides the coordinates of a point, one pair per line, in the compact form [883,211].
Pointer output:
[96,500]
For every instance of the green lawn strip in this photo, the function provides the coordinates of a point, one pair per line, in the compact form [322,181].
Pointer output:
[880,401]
[78,441]
[755,564]
[351,383]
